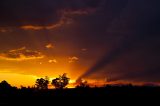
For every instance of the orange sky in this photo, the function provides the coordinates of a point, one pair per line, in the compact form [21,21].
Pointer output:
[95,39]
[25,70]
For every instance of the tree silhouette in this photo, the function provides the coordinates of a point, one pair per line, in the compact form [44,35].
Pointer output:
[42,83]
[60,82]
[82,84]
[5,85]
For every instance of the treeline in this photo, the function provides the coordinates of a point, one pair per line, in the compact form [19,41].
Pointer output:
[41,94]
[60,82]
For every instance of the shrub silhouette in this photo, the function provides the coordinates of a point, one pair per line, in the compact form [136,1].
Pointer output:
[42,83]
[61,81]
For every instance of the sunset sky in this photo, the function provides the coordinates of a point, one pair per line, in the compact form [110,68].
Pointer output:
[117,40]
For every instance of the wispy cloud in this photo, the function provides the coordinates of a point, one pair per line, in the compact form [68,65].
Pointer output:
[83,49]
[32,27]
[66,18]
[21,54]
[49,46]
[47,27]
[73,59]
[85,11]
[53,61]
[3,30]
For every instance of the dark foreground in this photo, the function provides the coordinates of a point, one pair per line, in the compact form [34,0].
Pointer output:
[80,95]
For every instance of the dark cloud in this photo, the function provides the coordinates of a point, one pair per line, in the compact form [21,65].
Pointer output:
[21,54]
[39,12]
[138,22]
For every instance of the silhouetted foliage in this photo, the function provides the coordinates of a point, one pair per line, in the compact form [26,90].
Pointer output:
[61,82]
[82,84]
[5,85]
[30,94]
[42,83]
